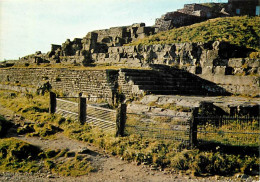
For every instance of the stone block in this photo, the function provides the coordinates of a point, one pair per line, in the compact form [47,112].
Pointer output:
[236,62]
[220,62]
[220,70]
[253,63]
[157,48]
[207,70]
[212,54]
[191,69]
[113,49]
[129,49]
[238,71]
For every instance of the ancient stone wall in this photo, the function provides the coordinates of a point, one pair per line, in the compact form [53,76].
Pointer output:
[218,62]
[98,83]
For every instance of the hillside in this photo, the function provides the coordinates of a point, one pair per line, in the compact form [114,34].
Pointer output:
[242,31]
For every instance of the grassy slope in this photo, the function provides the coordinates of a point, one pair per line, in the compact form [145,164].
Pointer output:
[131,148]
[242,31]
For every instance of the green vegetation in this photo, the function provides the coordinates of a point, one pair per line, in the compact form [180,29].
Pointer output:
[171,106]
[16,155]
[241,31]
[225,133]
[154,152]
[68,166]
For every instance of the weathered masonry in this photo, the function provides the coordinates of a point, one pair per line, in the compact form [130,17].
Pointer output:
[109,84]
[98,83]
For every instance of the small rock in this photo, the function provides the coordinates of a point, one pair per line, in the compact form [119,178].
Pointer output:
[84,151]
[249,179]
[239,175]
[217,177]
[121,170]
[244,176]
[50,176]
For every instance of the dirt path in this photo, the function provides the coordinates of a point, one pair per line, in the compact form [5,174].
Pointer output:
[109,168]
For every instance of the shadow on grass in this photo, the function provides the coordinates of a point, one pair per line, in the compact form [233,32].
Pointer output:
[228,149]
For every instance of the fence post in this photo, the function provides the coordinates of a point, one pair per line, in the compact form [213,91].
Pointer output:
[120,120]
[82,110]
[193,127]
[52,104]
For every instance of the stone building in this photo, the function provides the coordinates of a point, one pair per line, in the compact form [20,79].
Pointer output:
[190,14]
[245,7]
[194,13]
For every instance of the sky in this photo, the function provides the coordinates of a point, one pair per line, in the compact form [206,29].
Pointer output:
[27,26]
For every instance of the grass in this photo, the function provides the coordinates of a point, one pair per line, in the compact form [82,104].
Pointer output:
[76,166]
[19,156]
[241,31]
[170,106]
[146,151]
[231,132]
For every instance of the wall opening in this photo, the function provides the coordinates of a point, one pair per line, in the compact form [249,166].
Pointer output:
[238,11]
[257,10]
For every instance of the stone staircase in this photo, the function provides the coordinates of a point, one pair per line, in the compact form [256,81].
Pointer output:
[164,82]
[155,82]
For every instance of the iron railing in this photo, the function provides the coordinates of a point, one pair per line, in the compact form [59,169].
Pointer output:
[176,128]
[229,130]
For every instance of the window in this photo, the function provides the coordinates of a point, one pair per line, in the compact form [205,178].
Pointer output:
[257,10]
[238,11]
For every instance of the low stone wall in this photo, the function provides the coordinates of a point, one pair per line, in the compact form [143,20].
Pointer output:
[237,85]
[96,83]
[18,88]
[107,84]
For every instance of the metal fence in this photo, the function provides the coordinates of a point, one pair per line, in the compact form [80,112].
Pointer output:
[228,130]
[188,129]
[67,109]
[102,117]
[164,127]
[70,107]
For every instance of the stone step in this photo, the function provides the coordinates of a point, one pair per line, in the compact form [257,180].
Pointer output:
[156,82]
[133,71]
[157,78]
[157,87]
[140,74]
[163,92]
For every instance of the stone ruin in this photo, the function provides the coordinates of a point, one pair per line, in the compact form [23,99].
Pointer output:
[212,68]
[190,14]
[79,51]
[99,46]
[194,13]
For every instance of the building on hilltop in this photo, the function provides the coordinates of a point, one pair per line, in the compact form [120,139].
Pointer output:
[195,13]
[245,7]
[190,14]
